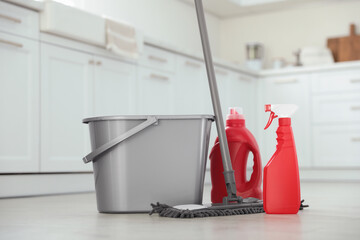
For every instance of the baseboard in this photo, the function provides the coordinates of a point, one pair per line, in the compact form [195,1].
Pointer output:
[326,175]
[24,185]
[21,185]
[318,175]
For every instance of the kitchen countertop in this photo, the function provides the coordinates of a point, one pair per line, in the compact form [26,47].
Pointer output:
[38,5]
[334,213]
[262,73]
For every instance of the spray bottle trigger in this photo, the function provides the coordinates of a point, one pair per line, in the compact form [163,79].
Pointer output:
[271,118]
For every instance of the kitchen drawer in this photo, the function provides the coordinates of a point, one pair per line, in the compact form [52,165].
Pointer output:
[336,146]
[19,21]
[158,59]
[336,108]
[336,81]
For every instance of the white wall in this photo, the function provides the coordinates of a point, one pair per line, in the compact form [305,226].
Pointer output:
[285,31]
[170,21]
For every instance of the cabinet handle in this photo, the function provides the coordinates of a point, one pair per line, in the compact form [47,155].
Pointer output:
[98,63]
[16,20]
[92,62]
[285,81]
[19,45]
[159,59]
[355,108]
[355,139]
[355,80]
[192,64]
[157,76]
[217,71]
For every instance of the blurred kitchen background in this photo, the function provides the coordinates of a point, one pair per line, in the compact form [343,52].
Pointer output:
[62,61]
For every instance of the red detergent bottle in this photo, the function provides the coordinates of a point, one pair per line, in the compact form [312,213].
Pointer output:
[281,173]
[241,142]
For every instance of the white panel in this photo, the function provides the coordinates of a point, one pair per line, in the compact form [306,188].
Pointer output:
[155,92]
[19,105]
[65,92]
[223,77]
[292,90]
[336,108]
[192,91]
[337,145]
[44,184]
[241,92]
[336,81]
[158,59]
[114,87]
[19,21]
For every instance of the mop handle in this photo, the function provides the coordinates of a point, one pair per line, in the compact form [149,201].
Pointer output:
[228,170]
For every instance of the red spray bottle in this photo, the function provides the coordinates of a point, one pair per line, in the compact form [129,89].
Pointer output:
[241,142]
[281,174]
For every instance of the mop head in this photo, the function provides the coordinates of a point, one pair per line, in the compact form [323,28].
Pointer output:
[254,206]
[200,211]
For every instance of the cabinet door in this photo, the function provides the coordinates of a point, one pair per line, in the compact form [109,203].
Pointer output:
[19,104]
[288,90]
[114,87]
[222,79]
[192,91]
[66,77]
[337,145]
[156,92]
[241,92]
[18,20]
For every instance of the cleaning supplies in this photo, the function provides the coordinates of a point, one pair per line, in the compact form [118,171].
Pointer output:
[281,174]
[232,204]
[241,142]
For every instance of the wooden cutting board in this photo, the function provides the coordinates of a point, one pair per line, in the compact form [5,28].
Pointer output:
[345,48]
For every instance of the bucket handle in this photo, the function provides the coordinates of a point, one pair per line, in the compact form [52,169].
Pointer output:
[91,156]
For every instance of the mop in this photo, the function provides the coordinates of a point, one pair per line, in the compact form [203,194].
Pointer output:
[232,204]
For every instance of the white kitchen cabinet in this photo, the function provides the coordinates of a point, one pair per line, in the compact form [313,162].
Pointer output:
[155,92]
[337,145]
[19,21]
[222,79]
[66,88]
[241,92]
[336,108]
[192,91]
[294,89]
[19,104]
[335,116]
[158,59]
[336,81]
[237,90]
[114,87]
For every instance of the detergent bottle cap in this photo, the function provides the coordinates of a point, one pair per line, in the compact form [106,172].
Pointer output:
[279,110]
[235,113]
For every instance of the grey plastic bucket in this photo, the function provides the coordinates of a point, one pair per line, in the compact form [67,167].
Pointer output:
[138,160]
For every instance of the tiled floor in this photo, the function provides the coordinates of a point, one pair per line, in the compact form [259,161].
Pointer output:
[334,213]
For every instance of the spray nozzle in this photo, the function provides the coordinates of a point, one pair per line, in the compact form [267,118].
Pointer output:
[281,111]
[272,115]
[235,113]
